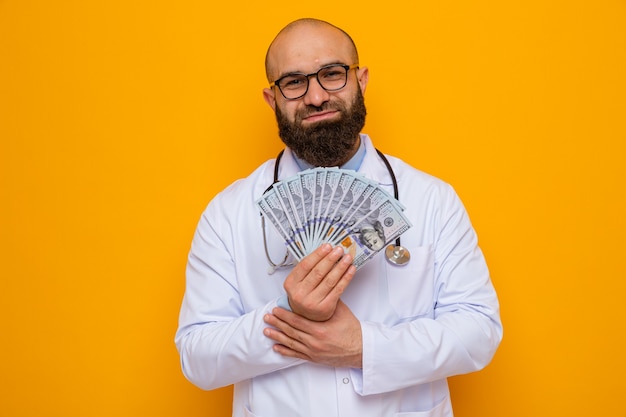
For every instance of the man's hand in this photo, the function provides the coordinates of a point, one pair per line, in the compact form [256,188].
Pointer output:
[336,342]
[316,283]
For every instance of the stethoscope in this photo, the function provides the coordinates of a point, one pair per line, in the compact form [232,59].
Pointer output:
[396,254]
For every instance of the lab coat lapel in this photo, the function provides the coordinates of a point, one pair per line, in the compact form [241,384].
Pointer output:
[373,167]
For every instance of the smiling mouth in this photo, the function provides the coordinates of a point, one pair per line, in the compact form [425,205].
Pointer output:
[325,115]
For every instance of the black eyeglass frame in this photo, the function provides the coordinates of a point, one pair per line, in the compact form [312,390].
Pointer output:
[316,74]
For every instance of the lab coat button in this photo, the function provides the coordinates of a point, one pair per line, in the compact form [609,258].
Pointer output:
[346,380]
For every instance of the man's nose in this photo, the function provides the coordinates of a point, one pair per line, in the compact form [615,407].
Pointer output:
[315,95]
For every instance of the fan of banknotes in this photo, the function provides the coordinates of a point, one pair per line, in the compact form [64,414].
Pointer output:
[333,205]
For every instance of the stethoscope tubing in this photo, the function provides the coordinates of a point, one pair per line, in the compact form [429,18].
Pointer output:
[394,181]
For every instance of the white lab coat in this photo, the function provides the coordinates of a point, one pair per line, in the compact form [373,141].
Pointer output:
[435,317]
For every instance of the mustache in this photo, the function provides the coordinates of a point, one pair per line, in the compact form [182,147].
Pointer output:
[310,110]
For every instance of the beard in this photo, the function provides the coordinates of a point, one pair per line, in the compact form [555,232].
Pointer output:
[326,143]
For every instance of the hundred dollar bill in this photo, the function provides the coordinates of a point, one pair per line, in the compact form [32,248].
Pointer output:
[284,197]
[331,184]
[296,202]
[309,197]
[320,187]
[342,198]
[272,210]
[373,232]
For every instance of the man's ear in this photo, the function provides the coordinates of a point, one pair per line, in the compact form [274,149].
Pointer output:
[269,97]
[363,75]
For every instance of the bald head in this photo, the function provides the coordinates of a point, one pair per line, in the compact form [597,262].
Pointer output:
[296,39]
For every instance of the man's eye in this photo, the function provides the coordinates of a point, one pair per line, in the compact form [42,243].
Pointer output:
[332,74]
[292,82]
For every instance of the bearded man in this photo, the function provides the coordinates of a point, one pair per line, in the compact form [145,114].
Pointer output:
[316,337]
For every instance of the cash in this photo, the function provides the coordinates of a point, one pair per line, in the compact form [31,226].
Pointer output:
[333,205]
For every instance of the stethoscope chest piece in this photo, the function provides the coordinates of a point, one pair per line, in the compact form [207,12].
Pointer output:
[397,255]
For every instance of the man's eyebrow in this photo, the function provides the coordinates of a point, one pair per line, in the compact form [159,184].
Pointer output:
[305,73]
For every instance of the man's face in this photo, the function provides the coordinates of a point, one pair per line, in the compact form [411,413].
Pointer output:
[372,239]
[322,127]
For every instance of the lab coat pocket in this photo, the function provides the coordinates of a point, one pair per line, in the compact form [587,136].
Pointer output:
[411,286]
[443,409]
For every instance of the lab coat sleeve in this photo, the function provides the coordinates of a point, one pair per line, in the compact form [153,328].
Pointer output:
[465,329]
[218,341]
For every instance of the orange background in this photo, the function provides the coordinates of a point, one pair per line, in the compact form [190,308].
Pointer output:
[120,120]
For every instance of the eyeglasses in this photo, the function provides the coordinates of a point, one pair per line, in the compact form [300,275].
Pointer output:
[330,77]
